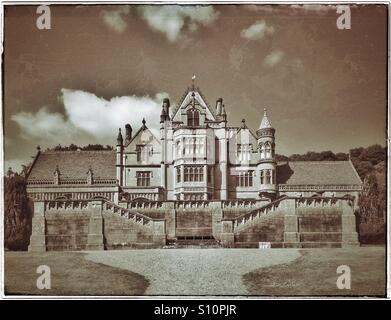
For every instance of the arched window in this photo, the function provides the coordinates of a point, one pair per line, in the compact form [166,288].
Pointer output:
[268,178]
[263,151]
[178,174]
[262,176]
[268,150]
[178,148]
[193,118]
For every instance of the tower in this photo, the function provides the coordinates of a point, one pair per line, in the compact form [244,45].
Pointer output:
[266,164]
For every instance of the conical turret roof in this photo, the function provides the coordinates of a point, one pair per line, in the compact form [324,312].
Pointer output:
[265,123]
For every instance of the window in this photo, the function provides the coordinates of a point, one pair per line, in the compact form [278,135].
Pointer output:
[244,152]
[143,178]
[144,152]
[210,174]
[193,173]
[268,149]
[267,176]
[178,174]
[178,148]
[263,151]
[244,179]
[193,118]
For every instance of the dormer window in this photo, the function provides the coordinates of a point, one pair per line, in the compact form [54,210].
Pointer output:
[244,152]
[193,118]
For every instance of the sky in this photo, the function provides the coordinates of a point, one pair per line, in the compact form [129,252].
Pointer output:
[100,67]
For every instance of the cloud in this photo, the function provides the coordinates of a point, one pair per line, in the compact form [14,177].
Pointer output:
[88,118]
[319,8]
[114,19]
[273,58]
[258,30]
[171,19]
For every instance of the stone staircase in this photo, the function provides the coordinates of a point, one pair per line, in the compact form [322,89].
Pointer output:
[133,216]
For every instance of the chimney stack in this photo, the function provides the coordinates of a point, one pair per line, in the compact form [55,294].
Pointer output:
[128,132]
[219,103]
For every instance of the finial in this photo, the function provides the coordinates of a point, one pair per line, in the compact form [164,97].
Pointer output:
[144,122]
[265,112]
[243,123]
[119,137]
[38,147]
[193,80]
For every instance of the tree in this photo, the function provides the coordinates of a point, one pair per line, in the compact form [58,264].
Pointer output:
[17,213]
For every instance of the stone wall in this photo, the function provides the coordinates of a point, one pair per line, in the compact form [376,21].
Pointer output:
[120,233]
[194,223]
[295,222]
[67,231]
[98,224]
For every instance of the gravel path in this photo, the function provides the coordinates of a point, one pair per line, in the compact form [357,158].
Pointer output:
[194,271]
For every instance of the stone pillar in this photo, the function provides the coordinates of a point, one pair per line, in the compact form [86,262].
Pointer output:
[349,232]
[159,232]
[170,216]
[38,234]
[291,224]
[217,216]
[291,232]
[95,227]
[227,234]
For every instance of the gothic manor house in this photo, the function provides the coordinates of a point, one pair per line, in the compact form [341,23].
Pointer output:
[199,180]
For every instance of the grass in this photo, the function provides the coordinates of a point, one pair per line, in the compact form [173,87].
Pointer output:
[314,273]
[71,274]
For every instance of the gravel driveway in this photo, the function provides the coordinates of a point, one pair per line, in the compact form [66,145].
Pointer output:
[194,271]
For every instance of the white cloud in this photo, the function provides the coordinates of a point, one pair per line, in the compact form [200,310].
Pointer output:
[88,118]
[273,58]
[258,30]
[319,8]
[171,19]
[114,19]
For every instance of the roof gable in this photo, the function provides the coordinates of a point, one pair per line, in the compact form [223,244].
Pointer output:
[144,136]
[186,101]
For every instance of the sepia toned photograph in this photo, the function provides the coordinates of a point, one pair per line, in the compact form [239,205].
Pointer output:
[194,150]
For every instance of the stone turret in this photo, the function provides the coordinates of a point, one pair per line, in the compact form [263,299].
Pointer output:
[266,163]
[119,158]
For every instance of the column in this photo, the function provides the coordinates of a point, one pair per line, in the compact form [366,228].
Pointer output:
[95,227]
[223,167]
[227,234]
[38,234]
[291,225]
[349,232]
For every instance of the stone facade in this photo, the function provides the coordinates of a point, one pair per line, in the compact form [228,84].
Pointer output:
[198,179]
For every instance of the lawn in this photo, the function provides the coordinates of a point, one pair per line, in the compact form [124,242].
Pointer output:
[71,274]
[314,273]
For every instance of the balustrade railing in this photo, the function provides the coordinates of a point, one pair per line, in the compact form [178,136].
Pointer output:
[300,203]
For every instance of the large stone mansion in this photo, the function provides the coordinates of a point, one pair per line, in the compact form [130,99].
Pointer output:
[197,167]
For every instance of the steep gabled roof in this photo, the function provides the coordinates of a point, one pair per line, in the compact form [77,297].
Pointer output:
[186,98]
[137,137]
[317,173]
[74,164]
